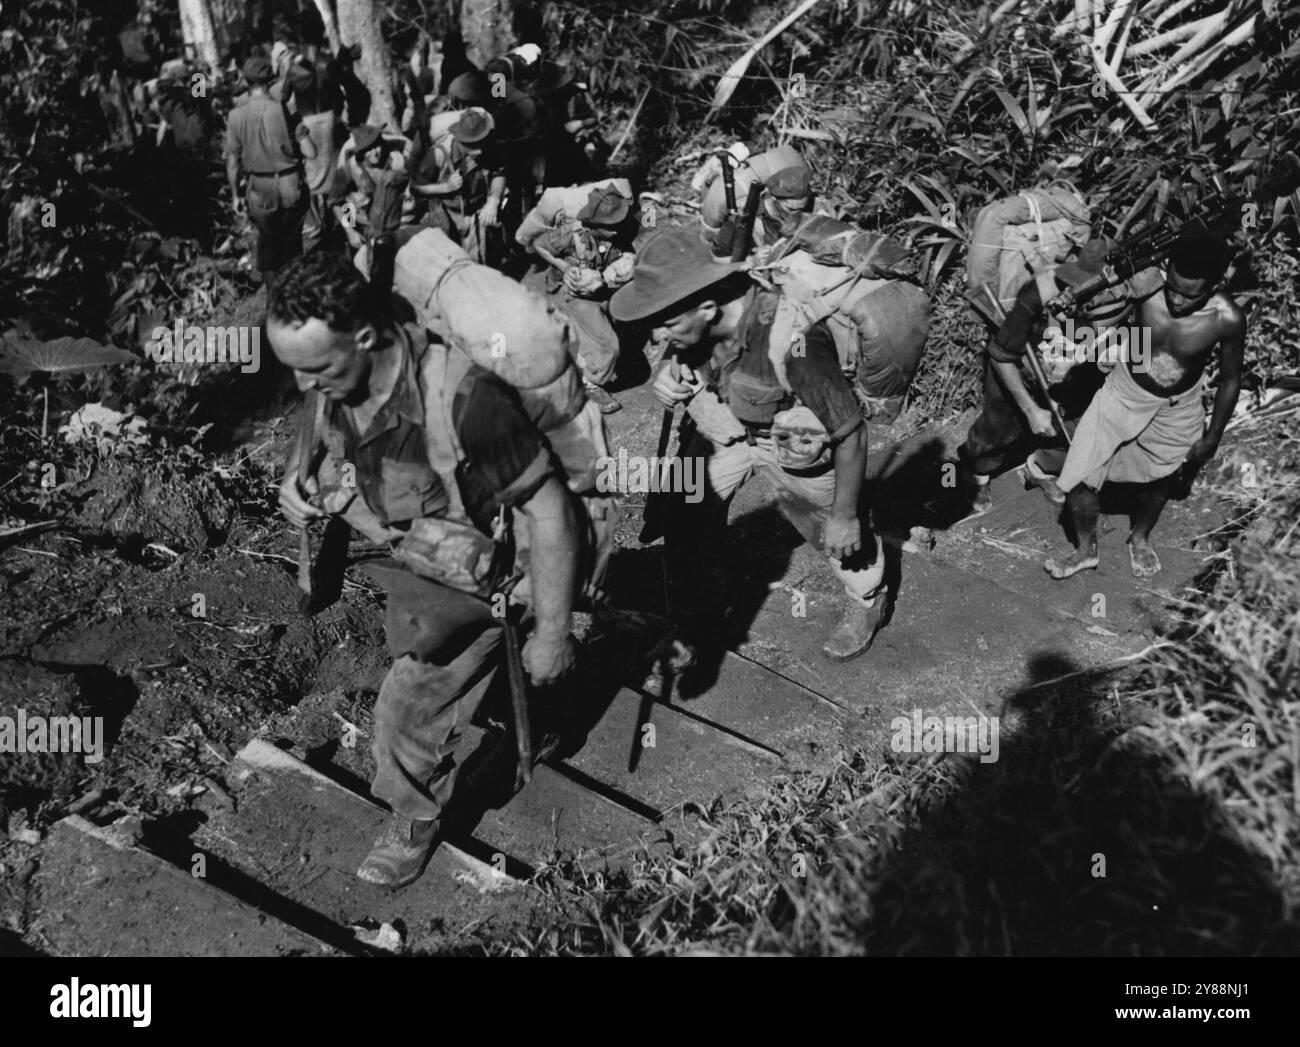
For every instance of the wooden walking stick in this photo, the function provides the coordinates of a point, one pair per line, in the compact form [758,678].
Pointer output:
[309,423]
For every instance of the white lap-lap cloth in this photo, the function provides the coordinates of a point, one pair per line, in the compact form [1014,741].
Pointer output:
[1129,435]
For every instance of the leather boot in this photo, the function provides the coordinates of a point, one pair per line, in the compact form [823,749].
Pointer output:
[856,628]
[401,852]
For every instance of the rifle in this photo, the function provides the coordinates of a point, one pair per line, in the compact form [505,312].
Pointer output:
[1152,244]
[502,559]
[652,516]
[724,243]
[745,237]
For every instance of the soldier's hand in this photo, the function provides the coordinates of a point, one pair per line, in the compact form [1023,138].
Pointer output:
[1041,422]
[583,281]
[619,271]
[454,182]
[546,661]
[675,383]
[294,502]
[841,538]
[488,215]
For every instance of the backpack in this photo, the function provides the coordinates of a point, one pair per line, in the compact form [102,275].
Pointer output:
[510,330]
[1011,235]
[856,282]
[561,204]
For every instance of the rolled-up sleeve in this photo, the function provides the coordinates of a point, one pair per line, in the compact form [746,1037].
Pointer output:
[506,458]
[816,378]
[1024,324]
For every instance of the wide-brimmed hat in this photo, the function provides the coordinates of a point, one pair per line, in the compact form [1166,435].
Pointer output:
[671,266]
[471,88]
[790,183]
[257,70]
[365,138]
[474,126]
[605,206]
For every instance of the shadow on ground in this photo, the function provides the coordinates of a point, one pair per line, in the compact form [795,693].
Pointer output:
[1081,839]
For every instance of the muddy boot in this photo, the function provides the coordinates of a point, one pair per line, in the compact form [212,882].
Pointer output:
[856,628]
[401,853]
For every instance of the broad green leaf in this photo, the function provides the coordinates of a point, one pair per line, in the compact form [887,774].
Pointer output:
[60,356]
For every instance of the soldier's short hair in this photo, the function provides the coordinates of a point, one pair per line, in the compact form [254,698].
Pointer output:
[324,286]
[1200,256]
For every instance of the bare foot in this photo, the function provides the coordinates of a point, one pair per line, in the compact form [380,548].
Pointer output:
[1079,560]
[1143,559]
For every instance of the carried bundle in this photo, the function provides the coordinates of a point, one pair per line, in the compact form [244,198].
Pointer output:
[1016,236]
[504,327]
[860,283]
[562,203]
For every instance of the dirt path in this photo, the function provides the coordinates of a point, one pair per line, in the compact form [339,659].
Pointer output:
[278,824]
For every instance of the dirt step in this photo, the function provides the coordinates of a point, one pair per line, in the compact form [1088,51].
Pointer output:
[957,641]
[102,896]
[1008,547]
[556,813]
[751,700]
[303,836]
[691,758]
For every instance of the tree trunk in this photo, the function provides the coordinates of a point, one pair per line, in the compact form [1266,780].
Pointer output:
[331,23]
[198,29]
[488,28]
[359,24]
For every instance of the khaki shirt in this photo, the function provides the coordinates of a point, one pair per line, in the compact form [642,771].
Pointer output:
[258,135]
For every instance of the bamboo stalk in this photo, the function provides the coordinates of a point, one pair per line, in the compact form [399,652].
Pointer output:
[1117,55]
[1196,67]
[1077,19]
[1170,36]
[631,123]
[1117,86]
[1215,24]
[1149,7]
[1075,22]
[1107,32]
[1171,12]
[730,80]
